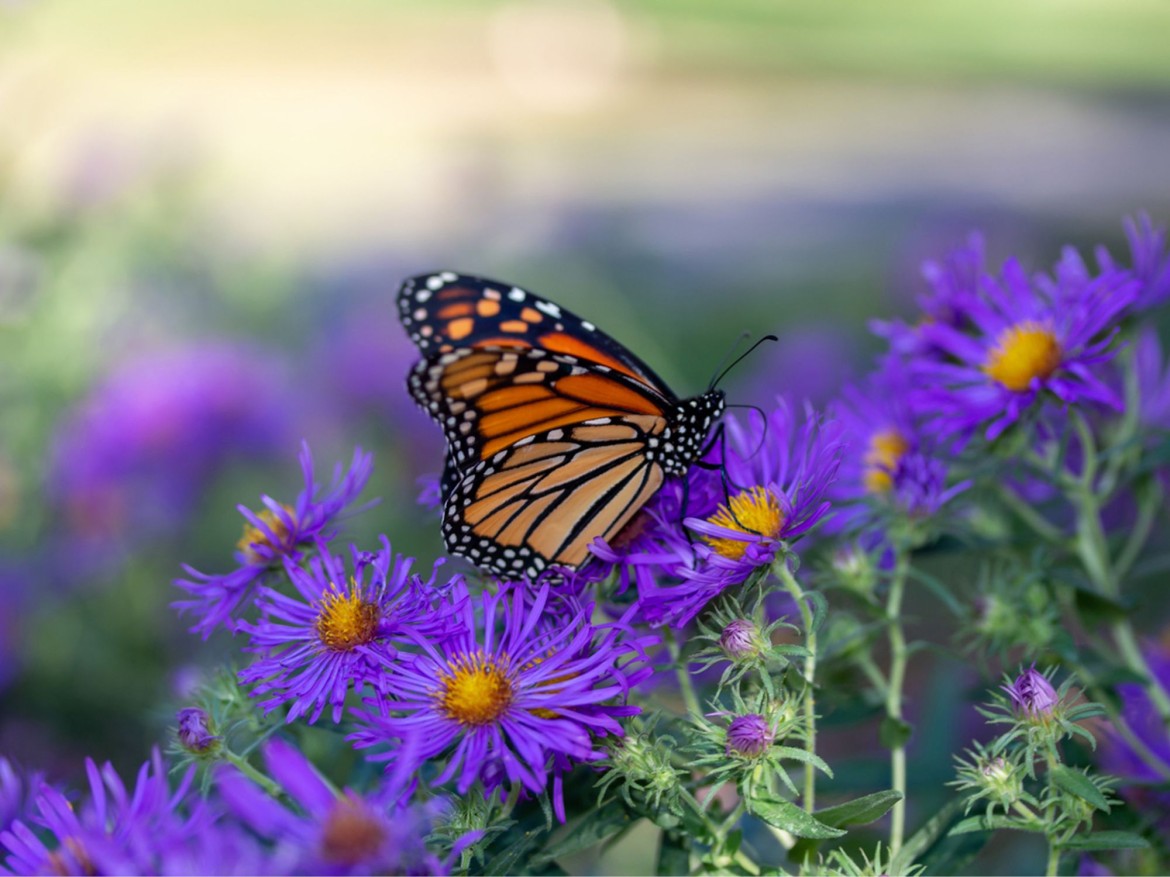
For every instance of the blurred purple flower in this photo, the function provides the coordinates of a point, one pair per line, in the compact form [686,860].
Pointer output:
[115,831]
[331,635]
[1149,258]
[954,287]
[277,533]
[15,793]
[134,457]
[1153,380]
[1141,716]
[330,832]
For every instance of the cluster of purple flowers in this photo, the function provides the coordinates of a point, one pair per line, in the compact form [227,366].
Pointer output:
[508,687]
[503,691]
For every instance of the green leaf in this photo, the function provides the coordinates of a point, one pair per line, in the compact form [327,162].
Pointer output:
[894,733]
[803,756]
[1107,840]
[859,811]
[820,608]
[786,815]
[1096,609]
[993,823]
[919,843]
[595,827]
[1076,783]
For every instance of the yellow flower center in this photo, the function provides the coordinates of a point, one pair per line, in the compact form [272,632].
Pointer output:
[253,535]
[881,458]
[754,511]
[346,621]
[477,691]
[351,833]
[1023,353]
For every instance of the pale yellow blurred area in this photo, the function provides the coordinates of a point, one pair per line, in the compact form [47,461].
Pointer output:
[324,125]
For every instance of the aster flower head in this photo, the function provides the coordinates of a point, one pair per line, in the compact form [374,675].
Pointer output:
[1149,260]
[507,696]
[891,469]
[780,469]
[340,630]
[116,830]
[740,639]
[1028,343]
[330,832]
[278,533]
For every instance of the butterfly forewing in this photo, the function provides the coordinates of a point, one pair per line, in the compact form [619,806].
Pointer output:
[446,311]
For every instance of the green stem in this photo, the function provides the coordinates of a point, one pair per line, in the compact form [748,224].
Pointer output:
[810,668]
[1029,516]
[1053,868]
[898,659]
[265,782]
[685,684]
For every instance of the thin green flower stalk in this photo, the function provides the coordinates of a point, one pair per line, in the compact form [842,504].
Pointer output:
[897,726]
[810,622]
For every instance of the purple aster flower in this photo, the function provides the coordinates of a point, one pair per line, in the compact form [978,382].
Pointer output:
[340,630]
[1150,260]
[134,457]
[517,698]
[781,471]
[749,736]
[277,533]
[954,286]
[1032,694]
[115,831]
[891,464]
[1028,342]
[330,832]
[194,731]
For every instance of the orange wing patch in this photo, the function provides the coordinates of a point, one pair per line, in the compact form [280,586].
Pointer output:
[559,342]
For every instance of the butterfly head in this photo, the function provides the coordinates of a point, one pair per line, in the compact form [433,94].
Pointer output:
[686,436]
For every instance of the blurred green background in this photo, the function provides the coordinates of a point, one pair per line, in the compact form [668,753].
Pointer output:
[255,178]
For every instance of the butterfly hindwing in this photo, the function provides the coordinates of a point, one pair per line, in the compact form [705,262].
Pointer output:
[541,501]
[448,311]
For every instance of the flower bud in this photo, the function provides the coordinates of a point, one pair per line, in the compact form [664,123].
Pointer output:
[740,639]
[1001,779]
[1033,694]
[195,731]
[749,736]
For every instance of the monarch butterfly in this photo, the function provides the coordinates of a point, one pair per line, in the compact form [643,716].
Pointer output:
[556,433]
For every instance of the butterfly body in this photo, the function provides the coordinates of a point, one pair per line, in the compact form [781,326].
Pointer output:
[556,434]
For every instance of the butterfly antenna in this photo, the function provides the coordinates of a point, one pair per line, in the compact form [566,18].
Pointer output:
[720,375]
[763,419]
